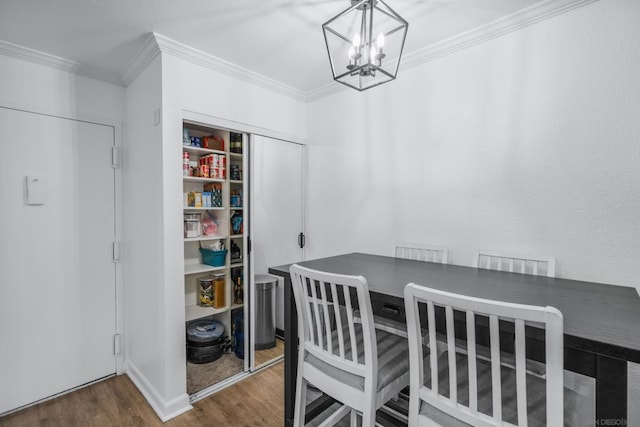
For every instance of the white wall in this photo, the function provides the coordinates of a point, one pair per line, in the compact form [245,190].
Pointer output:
[525,143]
[153,204]
[40,88]
[150,297]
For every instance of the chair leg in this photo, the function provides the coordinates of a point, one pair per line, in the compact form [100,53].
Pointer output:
[369,418]
[301,401]
[354,418]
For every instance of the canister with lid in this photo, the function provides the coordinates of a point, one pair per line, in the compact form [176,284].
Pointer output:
[205,292]
[219,284]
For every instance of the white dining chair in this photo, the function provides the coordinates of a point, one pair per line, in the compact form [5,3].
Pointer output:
[535,265]
[357,365]
[455,389]
[421,252]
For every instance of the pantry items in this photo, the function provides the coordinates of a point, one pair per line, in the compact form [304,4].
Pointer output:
[219,284]
[235,253]
[236,222]
[209,225]
[205,341]
[235,143]
[206,296]
[192,227]
[235,198]
[213,254]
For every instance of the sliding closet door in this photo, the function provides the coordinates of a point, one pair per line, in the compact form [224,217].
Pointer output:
[57,275]
[277,183]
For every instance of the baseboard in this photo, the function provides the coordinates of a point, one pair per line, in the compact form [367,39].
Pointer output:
[280,333]
[165,410]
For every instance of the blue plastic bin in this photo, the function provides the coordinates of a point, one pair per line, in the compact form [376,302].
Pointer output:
[213,258]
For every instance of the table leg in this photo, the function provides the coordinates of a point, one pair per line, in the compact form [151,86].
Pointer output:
[290,352]
[611,392]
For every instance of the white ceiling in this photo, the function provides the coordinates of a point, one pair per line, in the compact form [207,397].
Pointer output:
[279,39]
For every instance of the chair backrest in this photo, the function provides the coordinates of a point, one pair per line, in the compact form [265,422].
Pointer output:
[536,265]
[421,301]
[327,327]
[421,252]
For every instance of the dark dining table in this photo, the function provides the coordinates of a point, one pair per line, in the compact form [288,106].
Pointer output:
[601,321]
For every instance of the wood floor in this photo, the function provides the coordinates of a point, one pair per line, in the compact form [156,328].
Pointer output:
[263,356]
[255,401]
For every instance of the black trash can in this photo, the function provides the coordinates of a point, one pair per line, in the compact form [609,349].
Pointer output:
[265,288]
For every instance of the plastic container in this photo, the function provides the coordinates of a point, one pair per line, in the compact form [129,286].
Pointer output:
[213,258]
[238,333]
[192,226]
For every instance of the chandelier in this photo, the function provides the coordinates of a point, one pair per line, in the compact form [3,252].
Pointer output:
[365,43]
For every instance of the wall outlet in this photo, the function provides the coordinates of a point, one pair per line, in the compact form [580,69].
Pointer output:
[156,117]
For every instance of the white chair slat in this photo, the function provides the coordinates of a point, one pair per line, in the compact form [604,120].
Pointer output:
[316,313]
[433,356]
[325,316]
[451,350]
[338,317]
[496,374]
[521,374]
[351,323]
[471,360]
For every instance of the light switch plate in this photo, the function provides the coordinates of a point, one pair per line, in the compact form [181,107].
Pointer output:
[36,190]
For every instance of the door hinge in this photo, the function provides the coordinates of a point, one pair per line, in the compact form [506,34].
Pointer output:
[301,240]
[115,157]
[116,344]
[116,251]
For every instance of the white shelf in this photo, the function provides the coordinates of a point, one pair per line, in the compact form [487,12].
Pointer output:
[199,179]
[201,268]
[239,155]
[193,312]
[237,236]
[235,181]
[203,238]
[191,208]
[234,306]
[236,208]
[200,151]
[236,265]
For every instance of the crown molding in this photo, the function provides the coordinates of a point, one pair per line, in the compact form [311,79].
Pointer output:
[516,21]
[155,43]
[195,56]
[143,57]
[58,63]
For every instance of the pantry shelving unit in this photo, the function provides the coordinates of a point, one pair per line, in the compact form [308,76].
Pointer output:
[234,267]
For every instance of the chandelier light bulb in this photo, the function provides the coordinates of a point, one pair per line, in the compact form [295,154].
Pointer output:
[356,41]
[380,41]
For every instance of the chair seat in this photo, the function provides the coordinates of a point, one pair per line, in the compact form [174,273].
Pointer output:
[393,359]
[535,394]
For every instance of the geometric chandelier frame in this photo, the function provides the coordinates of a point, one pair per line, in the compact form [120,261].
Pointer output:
[365,44]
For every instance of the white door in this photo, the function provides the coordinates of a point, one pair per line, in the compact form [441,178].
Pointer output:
[57,276]
[277,212]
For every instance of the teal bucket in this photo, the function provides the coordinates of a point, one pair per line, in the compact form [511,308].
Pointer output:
[213,258]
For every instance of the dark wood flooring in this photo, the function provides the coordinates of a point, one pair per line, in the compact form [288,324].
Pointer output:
[255,401]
